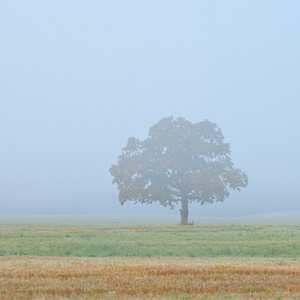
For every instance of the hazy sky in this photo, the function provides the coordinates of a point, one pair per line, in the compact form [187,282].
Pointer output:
[77,78]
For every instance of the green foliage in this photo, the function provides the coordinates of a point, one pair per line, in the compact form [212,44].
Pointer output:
[178,162]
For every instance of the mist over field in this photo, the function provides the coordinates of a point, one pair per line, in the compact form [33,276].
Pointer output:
[77,79]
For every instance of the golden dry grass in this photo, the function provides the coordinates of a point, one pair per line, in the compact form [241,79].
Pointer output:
[140,278]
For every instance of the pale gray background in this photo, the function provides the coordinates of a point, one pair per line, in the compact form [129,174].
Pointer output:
[77,78]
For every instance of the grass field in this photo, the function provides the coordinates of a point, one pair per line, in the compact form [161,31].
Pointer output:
[191,241]
[74,260]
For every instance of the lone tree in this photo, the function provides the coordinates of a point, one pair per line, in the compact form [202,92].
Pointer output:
[178,162]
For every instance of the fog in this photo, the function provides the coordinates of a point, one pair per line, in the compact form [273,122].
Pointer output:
[78,78]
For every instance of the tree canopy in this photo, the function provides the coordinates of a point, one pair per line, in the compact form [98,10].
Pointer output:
[179,162]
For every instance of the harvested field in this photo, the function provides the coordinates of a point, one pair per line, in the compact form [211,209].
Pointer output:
[140,278]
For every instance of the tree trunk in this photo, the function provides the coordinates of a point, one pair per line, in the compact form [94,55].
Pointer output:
[184,211]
